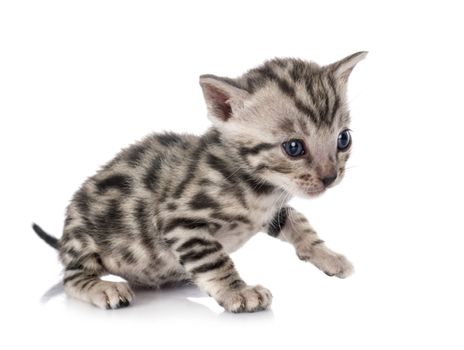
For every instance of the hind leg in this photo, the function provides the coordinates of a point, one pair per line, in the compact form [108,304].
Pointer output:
[84,266]
[82,281]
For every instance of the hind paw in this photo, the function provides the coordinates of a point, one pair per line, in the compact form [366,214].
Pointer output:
[111,295]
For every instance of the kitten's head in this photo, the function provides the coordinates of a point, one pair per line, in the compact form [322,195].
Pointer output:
[287,120]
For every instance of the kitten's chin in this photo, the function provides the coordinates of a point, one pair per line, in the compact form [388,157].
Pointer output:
[314,194]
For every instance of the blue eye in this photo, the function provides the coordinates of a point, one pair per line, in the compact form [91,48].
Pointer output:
[294,148]
[344,140]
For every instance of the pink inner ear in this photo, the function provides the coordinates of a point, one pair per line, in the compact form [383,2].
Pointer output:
[345,75]
[219,102]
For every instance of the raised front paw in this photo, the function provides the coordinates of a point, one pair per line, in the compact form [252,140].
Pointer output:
[245,299]
[329,262]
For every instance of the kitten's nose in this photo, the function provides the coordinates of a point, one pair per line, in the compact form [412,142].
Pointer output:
[328,180]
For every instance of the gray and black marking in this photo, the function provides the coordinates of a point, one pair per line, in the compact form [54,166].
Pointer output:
[170,208]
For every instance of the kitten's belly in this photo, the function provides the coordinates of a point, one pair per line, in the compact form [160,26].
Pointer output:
[161,267]
[148,271]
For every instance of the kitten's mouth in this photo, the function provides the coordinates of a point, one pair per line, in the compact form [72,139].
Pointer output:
[314,193]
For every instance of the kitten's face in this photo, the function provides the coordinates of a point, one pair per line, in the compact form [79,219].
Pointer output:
[291,126]
[304,157]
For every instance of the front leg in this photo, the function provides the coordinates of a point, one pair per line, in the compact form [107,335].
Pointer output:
[292,227]
[211,268]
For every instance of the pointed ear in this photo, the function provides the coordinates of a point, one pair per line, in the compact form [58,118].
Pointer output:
[343,68]
[223,96]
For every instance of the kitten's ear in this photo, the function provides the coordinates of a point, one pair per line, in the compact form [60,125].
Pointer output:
[222,95]
[343,68]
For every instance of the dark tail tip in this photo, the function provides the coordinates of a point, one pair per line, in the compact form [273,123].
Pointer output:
[45,236]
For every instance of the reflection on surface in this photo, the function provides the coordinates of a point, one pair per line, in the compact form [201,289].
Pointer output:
[170,302]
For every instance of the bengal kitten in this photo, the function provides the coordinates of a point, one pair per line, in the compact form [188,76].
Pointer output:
[171,207]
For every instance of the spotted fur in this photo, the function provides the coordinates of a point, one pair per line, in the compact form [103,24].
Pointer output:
[170,208]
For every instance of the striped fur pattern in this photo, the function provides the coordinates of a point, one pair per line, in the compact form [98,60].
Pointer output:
[170,208]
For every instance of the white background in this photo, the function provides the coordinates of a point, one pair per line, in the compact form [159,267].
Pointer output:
[79,80]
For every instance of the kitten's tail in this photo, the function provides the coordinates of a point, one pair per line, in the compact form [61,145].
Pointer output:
[53,241]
